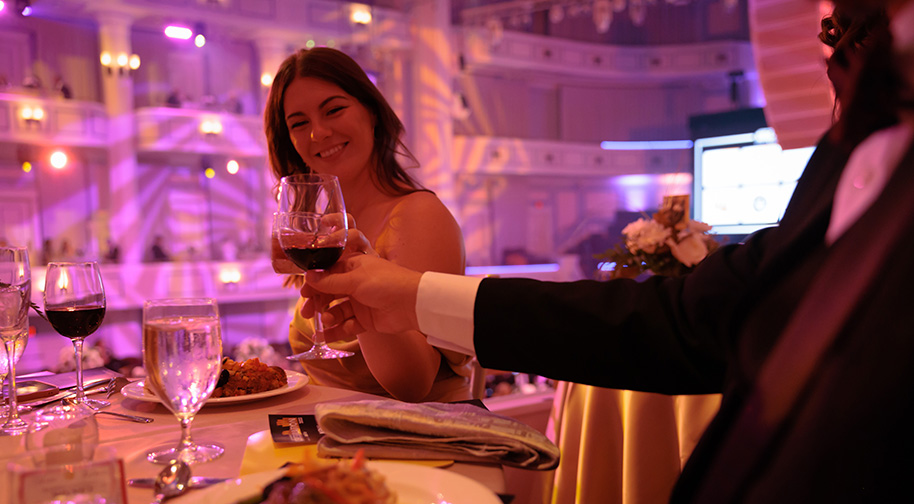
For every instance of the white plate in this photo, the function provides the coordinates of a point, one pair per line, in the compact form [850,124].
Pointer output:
[135,390]
[414,484]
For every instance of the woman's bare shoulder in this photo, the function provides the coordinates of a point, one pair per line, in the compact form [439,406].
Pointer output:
[423,205]
[422,234]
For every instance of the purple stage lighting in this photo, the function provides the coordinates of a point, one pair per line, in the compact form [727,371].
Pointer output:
[178,32]
[24,7]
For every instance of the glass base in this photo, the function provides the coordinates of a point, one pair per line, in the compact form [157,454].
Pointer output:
[14,427]
[196,455]
[321,352]
[23,409]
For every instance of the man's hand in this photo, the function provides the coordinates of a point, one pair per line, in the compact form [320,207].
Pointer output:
[382,295]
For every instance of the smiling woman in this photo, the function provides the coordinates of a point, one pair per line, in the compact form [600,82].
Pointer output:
[324,115]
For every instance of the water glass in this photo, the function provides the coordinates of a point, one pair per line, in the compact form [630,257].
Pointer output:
[15,297]
[182,354]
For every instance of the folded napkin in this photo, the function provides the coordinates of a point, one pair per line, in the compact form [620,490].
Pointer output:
[396,430]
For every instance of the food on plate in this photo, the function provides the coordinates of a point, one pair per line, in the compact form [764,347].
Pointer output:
[320,481]
[248,377]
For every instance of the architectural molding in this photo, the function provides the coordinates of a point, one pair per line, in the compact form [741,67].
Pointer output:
[536,53]
[514,156]
[162,129]
[62,123]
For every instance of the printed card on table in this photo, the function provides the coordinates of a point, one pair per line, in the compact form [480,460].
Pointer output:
[297,429]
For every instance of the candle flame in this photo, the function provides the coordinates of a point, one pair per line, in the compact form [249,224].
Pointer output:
[63,282]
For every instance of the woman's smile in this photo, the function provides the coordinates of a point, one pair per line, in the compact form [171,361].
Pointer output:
[329,153]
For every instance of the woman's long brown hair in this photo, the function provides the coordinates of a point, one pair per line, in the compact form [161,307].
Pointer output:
[338,68]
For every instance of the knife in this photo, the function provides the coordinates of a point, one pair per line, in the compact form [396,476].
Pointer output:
[195,482]
[95,387]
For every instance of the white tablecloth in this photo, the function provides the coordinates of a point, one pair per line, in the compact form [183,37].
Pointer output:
[229,425]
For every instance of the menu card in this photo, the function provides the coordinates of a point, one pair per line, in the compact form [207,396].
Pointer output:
[296,429]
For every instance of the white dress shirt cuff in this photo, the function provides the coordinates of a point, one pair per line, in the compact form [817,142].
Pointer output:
[444,309]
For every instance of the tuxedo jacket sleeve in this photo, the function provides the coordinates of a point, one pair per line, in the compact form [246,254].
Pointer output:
[667,335]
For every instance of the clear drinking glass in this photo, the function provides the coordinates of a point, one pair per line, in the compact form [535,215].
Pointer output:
[15,296]
[312,231]
[4,371]
[74,302]
[182,354]
[71,429]
[280,261]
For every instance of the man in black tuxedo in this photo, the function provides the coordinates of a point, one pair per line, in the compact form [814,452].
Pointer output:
[805,328]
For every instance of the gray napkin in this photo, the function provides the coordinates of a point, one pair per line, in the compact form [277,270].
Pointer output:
[431,431]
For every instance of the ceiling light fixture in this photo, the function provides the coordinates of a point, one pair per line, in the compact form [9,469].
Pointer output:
[178,32]
[360,14]
[200,38]
[123,63]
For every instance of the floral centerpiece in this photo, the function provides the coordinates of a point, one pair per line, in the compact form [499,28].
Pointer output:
[668,244]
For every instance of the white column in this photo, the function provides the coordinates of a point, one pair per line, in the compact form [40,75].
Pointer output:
[431,136]
[394,85]
[117,93]
[271,52]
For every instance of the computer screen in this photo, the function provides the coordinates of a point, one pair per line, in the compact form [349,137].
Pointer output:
[743,182]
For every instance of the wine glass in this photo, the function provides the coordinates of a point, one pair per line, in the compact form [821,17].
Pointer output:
[182,354]
[74,302]
[279,260]
[312,233]
[15,295]
[4,372]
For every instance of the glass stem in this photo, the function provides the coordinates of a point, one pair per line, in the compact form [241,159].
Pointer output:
[13,402]
[318,330]
[78,351]
[186,444]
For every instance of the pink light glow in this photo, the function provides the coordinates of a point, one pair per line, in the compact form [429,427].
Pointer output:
[59,160]
[178,32]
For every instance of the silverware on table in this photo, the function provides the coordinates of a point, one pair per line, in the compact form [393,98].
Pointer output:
[172,481]
[133,418]
[195,482]
[69,393]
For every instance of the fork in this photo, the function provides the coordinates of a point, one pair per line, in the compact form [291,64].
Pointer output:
[133,418]
[110,388]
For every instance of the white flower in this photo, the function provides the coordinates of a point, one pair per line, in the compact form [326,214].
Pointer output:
[256,347]
[690,250]
[645,235]
[92,357]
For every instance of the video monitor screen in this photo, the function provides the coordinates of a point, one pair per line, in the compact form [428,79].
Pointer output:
[742,183]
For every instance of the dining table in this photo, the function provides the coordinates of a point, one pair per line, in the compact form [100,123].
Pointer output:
[229,424]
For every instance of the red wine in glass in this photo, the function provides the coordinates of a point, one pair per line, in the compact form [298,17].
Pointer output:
[76,321]
[317,258]
[74,301]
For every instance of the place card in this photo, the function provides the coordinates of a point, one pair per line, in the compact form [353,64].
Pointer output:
[294,429]
[99,480]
